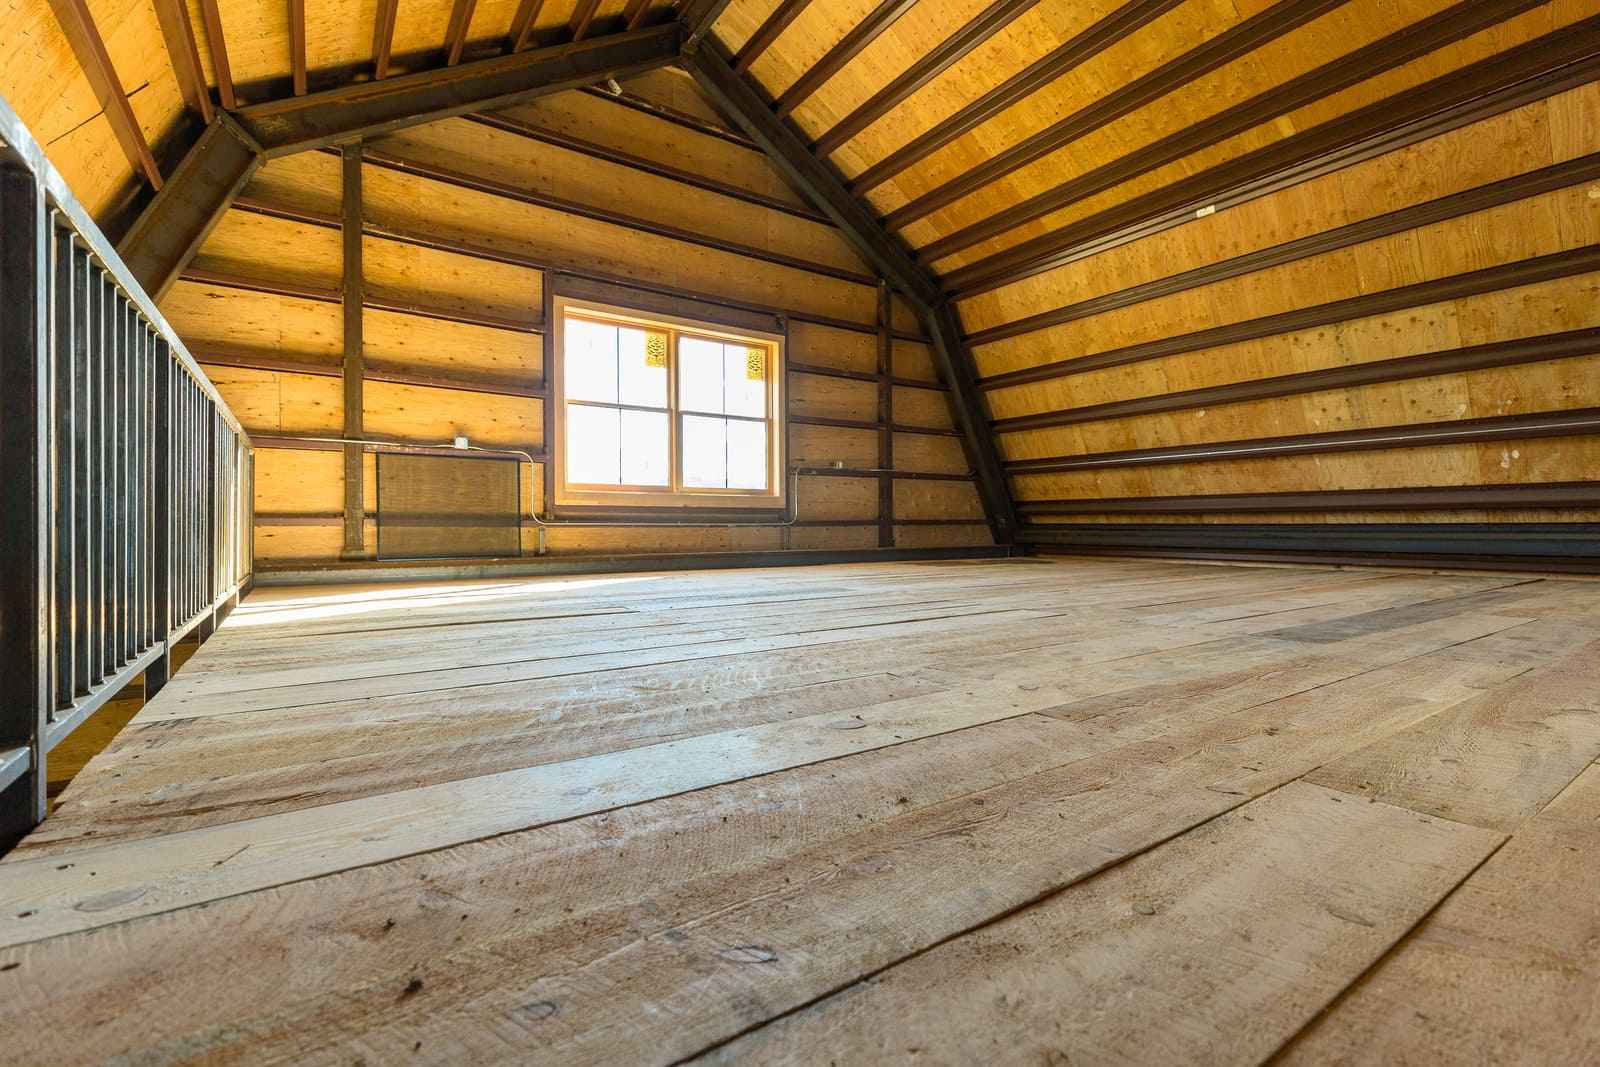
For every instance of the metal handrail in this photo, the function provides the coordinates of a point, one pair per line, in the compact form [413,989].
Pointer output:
[128,515]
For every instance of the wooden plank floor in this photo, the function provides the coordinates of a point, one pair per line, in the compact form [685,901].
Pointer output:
[1015,811]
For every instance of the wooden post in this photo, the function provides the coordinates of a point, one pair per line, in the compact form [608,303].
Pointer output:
[25,521]
[353,370]
[885,416]
[547,314]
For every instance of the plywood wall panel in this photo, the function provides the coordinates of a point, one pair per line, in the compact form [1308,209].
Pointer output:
[267,248]
[273,402]
[566,241]
[833,398]
[295,481]
[819,446]
[936,500]
[428,415]
[308,181]
[524,163]
[961,536]
[242,320]
[577,540]
[921,407]
[834,538]
[442,347]
[612,124]
[1575,122]
[829,346]
[823,498]
[281,543]
[914,360]
[929,454]
[403,273]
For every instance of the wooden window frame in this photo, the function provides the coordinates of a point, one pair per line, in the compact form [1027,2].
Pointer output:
[772,498]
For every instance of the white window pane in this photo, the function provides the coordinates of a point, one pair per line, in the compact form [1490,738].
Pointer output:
[747,455]
[590,368]
[705,452]
[699,375]
[644,448]
[594,446]
[743,394]
[643,367]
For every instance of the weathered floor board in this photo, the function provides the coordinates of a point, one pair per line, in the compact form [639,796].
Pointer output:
[1019,811]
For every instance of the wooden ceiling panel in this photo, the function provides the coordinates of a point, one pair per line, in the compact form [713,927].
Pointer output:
[1481,46]
[1094,78]
[339,34]
[1504,235]
[739,22]
[1493,150]
[915,34]
[990,67]
[257,37]
[40,76]
[1323,40]
[822,25]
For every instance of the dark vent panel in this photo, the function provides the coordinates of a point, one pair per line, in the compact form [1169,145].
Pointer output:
[444,506]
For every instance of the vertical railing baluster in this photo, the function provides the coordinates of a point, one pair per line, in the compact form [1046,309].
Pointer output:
[189,515]
[157,353]
[160,671]
[108,434]
[82,496]
[129,584]
[65,467]
[127,510]
[25,429]
[141,496]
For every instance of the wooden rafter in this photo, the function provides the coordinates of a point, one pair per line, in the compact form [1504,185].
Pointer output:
[297,44]
[184,55]
[455,35]
[988,22]
[633,15]
[698,16]
[583,18]
[794,160]
[1450,25]
[383,37]
[284,127]
[1080,48]
[172,226]
[90,48]
[217,44]
[1561,59]
[883,16]
[522,24]
[1241,39]
[768,32]
[165,237]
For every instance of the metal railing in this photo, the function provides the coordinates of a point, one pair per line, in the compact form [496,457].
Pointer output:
[125,520]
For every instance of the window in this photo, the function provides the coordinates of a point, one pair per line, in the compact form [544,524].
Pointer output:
[655,411]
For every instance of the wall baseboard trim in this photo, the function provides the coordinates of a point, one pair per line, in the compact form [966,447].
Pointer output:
[1567,548]
[303,572]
